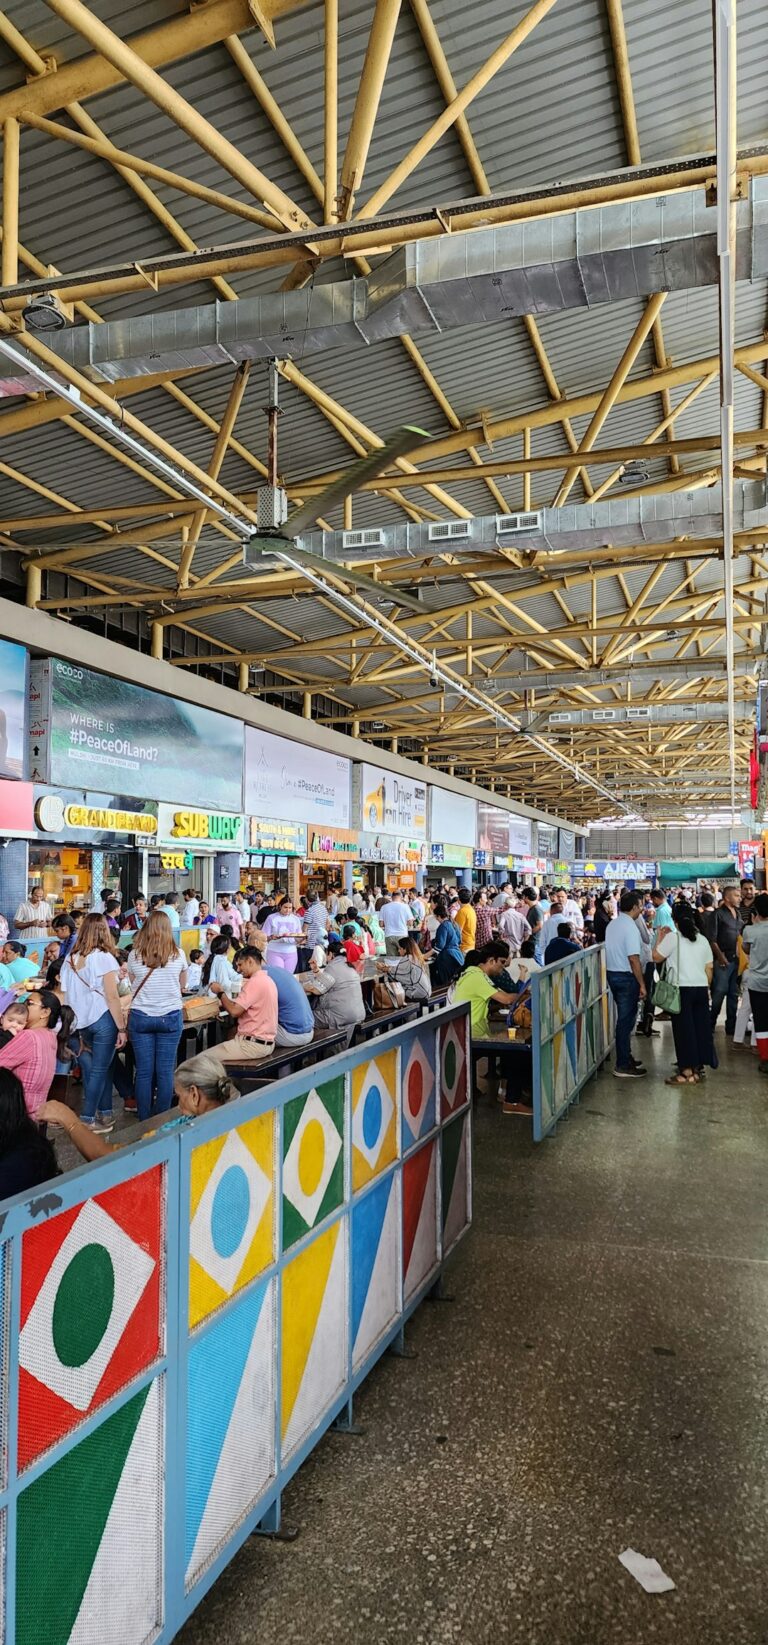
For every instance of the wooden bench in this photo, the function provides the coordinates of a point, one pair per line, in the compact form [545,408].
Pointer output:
[437,999]
[380,1021]
[285,1059]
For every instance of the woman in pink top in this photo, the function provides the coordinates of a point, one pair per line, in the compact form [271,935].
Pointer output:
[283,930]
[32,1051]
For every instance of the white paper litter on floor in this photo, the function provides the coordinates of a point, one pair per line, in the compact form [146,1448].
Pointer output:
[647,1572]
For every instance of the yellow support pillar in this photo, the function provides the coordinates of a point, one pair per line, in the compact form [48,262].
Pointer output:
[156,646]
[34,584]
[10,259]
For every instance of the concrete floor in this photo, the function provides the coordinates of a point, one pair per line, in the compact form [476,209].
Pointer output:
[599,1382]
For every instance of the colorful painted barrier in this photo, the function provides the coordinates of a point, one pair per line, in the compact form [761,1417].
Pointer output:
[572,1032]
[183,1321]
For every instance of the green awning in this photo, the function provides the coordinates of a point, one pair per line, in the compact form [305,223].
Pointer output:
[676,873]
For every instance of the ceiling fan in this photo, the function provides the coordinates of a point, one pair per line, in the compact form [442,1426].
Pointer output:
[278,528]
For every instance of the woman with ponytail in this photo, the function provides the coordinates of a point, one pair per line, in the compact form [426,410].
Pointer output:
[689,961]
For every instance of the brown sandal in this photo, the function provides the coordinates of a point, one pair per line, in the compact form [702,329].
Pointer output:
[683,1079]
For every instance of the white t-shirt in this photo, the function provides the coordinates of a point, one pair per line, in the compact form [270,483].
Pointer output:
[39,916]
[190,912]
[572,913]
[687,970]
[84,986]
[161,992]
[394,919]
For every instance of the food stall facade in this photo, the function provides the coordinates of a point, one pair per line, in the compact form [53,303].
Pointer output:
[87,844]
[272,850]
[191,844]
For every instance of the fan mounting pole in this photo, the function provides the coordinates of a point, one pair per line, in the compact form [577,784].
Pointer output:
[273,412]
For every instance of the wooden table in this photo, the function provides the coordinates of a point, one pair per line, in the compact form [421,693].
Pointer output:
[518,1055]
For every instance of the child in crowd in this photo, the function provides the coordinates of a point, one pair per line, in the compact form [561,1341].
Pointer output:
[353,947]
[13,1019]
[194,970]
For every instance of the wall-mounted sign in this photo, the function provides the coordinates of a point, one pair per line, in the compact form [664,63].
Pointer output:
[383,800]
[105,732]
[378,847]
[14,710]
[748,852]
[479,859]
[412,853]
[203,830]
[531,865]
[566,844]
[16,808]
[452,856]
[177,862]
[547,839]
[619,869]
[519,836]
[285,779]
[452,817]
[492,830]
[53,813]
[287,838]
[333,844]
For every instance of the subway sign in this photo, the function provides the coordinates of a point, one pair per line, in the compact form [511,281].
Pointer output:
[209,830]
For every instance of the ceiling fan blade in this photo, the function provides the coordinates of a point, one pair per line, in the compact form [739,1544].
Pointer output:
[368,468]
[324,568]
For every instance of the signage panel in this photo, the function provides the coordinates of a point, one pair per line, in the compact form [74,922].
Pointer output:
[199,830]
[383,800]
[76,816]
[547,839]
[159,748]
[412,853]
[378,847]
[14,710]
[566,847]
[479,859]
[289,780]
[492,830]
[452,856]
[334,845]
[452,817]
[16,808]
[520,843]
[286,838]
[618,869]
[748,851]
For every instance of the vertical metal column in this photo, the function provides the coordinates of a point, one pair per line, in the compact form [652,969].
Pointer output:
[724,19]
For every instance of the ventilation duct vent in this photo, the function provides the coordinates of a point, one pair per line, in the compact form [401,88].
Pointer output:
[563,719]
[604,714]
[448,530]
[517,522]
[639,713]
[362,539]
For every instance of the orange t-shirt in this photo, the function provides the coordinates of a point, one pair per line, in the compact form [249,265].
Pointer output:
[466,920]
[259,996]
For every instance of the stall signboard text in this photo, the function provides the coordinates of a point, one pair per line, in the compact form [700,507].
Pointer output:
[78,817]
[14,710]
[547,839]
[412,853]
[619,869]
[292,781]
[206,830]
[479,859]
[177,862]
[378,847]
[520,842]
[452,817]
[385,800]
[333,844]
[104,731]
[748,852]
[289,839]
[492,831]
[451,856]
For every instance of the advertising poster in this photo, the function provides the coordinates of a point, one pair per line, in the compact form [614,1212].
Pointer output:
[566,845]
[519,836]
[13,710]
[293,782]
[389,802]
[547,840]
[452,817]
[107,734]
[492,830]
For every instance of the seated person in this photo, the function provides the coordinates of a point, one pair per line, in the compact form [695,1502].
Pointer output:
[194,970]
[254,1011]
[295,1019]
[410,969]
[562,944]
[353,947]
[479,984]
[218,972]
[201,1086]
[340,1003]
[14,960]
[26,1156]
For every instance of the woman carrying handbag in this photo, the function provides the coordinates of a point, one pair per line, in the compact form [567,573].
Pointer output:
[683,991]
[158,973]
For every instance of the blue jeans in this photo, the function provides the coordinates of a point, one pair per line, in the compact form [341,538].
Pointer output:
[625,989]
[95,1059]
[725,986]
[155,1041]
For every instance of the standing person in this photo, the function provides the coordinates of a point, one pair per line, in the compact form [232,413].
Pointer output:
[605,911]
[688,958]
[283,931]
[89,980]
[137,917]
[662,917]
[31,1054]
[254,1011]
[748,895]
[623,958]
[416,905]
[466,921]
[532,910]
[755,943]
[112,916]
[191,911]
[65,932]
[316,921]
[708,917]
[227,914]
[725,980]
[514,927]
[394,919]
[483,918]
[447,957]
[205,917]
[171,911]
[572,912]
[503,895]
[33,918]
[158,974]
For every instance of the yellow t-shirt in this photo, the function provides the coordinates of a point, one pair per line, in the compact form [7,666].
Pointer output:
[466,920]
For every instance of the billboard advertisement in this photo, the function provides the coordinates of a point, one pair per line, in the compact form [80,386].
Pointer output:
[520,844]
[13,710]
[292,782]
[105,734]
[393,803]
[492,830]
[452,817]
[566,844]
